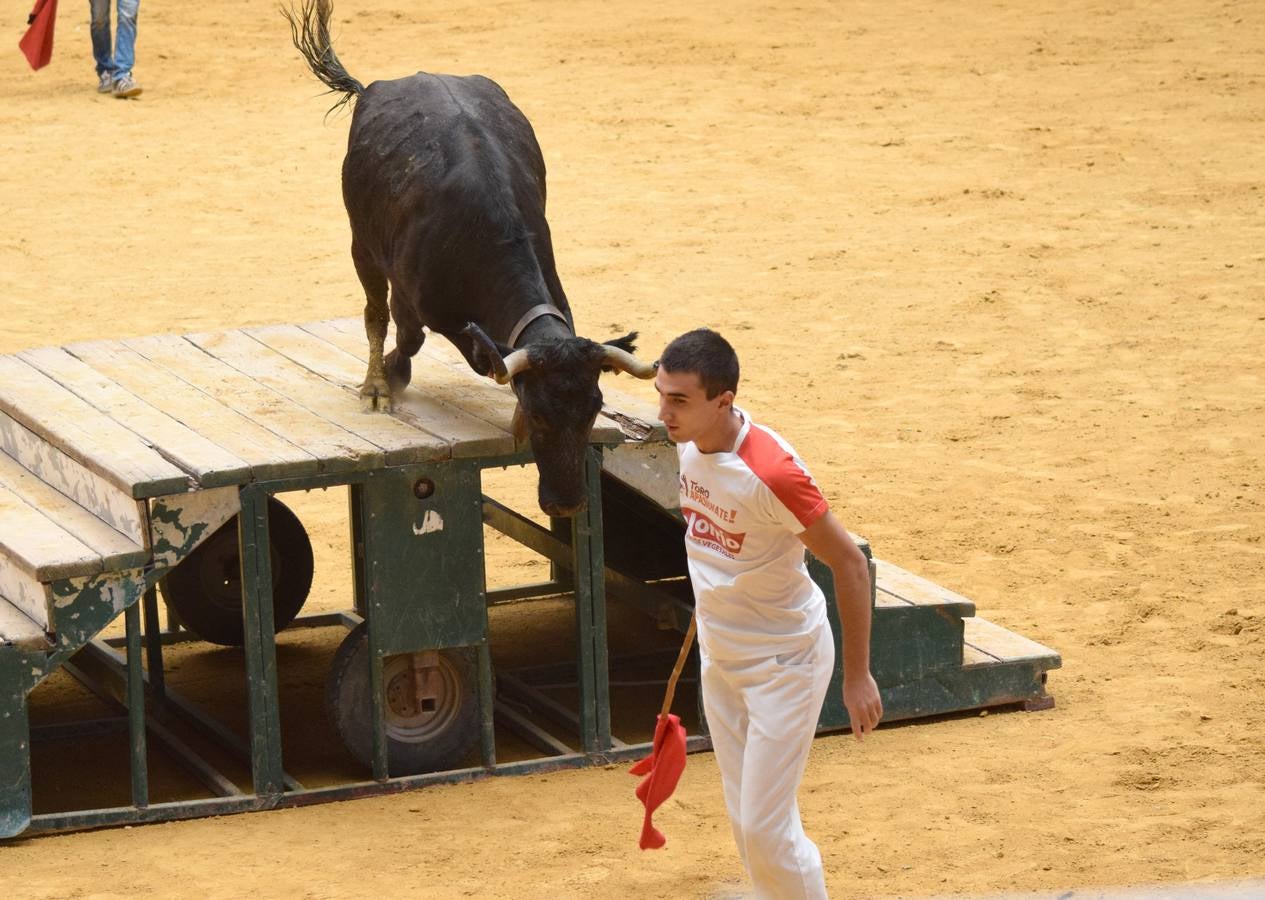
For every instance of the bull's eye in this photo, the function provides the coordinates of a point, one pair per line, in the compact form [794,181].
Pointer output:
[539,423]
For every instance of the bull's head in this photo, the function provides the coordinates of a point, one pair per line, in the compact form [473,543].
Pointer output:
[558,400]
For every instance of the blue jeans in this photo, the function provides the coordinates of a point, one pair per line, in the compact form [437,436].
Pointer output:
[119,62]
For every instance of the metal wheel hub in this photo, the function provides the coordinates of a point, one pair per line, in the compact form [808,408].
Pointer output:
[220,573]
[423,695]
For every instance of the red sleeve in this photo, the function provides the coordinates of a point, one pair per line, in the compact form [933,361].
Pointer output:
[783,474]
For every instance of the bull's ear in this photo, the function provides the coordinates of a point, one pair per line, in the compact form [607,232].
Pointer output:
[625,343]
[518,425]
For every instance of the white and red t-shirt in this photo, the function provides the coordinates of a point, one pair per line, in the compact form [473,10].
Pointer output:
[744,509]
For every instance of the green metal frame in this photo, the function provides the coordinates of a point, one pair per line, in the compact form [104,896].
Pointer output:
[414,601]
[411,601]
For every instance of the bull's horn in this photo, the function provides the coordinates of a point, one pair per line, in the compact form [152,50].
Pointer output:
[515,364]
[486,353]
[623,361]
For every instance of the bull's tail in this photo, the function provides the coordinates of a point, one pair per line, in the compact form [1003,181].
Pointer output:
[309,27]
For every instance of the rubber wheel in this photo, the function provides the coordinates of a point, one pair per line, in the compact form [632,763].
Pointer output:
[441,733]
[205,590]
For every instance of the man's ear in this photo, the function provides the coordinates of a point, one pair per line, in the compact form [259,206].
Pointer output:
[726,398]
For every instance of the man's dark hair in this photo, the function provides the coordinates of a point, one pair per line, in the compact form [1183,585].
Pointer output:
[706,354]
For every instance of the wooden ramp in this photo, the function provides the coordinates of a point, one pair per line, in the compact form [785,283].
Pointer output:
[120,459]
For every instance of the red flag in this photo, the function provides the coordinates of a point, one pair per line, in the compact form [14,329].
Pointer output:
[37,43]
[666,762]
[662,768]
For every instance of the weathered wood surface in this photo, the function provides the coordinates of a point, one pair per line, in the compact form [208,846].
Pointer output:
[157,415]
[900,585]
[91,491]
[84,433]
[1000,645]
[455,381]
[400,444]
[179,523]
[115,550]
[17,629]
[205,460]
[479,397]
[24,590]
[42,534]
[268,454]
[465,435]
[334,448]
[649,468]
[637,418]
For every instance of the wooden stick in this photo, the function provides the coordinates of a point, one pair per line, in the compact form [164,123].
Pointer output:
[676,670]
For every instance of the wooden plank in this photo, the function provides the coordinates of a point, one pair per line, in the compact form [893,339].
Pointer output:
[478,394]
[25,591]
[467,436]
[972,656]
[208,462]
[917,590]
[335,449]
[487,402]
[433,375]
[268,454]
[103,498]
[38,544]
[637,418]
[884,599]
[114,549]
[650,469]
[18,630]
[400,443]
[1003,645]
[83,433]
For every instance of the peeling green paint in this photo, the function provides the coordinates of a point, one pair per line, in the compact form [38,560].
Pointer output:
[84,606]
[177,524]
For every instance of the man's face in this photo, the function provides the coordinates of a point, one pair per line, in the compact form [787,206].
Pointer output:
[685,409]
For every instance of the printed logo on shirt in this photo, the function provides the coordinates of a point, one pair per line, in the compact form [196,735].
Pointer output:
[696,493]
[702,530]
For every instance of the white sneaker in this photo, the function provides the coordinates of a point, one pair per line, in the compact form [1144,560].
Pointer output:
[126,87]
[105,83]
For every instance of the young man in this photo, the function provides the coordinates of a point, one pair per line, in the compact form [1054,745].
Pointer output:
[115,57]
[766,647]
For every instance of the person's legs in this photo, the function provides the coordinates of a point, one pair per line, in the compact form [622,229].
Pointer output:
[125,39]
[727,724]
[102,46]
[784,704]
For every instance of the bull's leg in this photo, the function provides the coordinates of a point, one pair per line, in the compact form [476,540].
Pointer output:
[399,362]
[375,393]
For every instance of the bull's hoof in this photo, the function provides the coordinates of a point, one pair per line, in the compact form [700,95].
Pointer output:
[375,398]
[399,371]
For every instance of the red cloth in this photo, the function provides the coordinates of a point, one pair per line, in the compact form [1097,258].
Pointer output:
[37,43]
[662,770]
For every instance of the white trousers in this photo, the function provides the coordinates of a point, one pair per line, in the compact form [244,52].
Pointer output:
[762,715]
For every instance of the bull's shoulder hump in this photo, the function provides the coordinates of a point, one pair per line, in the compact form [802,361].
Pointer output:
[442,96]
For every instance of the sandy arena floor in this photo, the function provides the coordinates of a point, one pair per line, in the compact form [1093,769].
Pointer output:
[997,270]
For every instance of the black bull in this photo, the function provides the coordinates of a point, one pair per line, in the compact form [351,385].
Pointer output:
[444,185]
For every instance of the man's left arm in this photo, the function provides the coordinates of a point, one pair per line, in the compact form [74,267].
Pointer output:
[827,539]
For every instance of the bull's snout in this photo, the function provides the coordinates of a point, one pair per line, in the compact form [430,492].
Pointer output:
[561,510]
